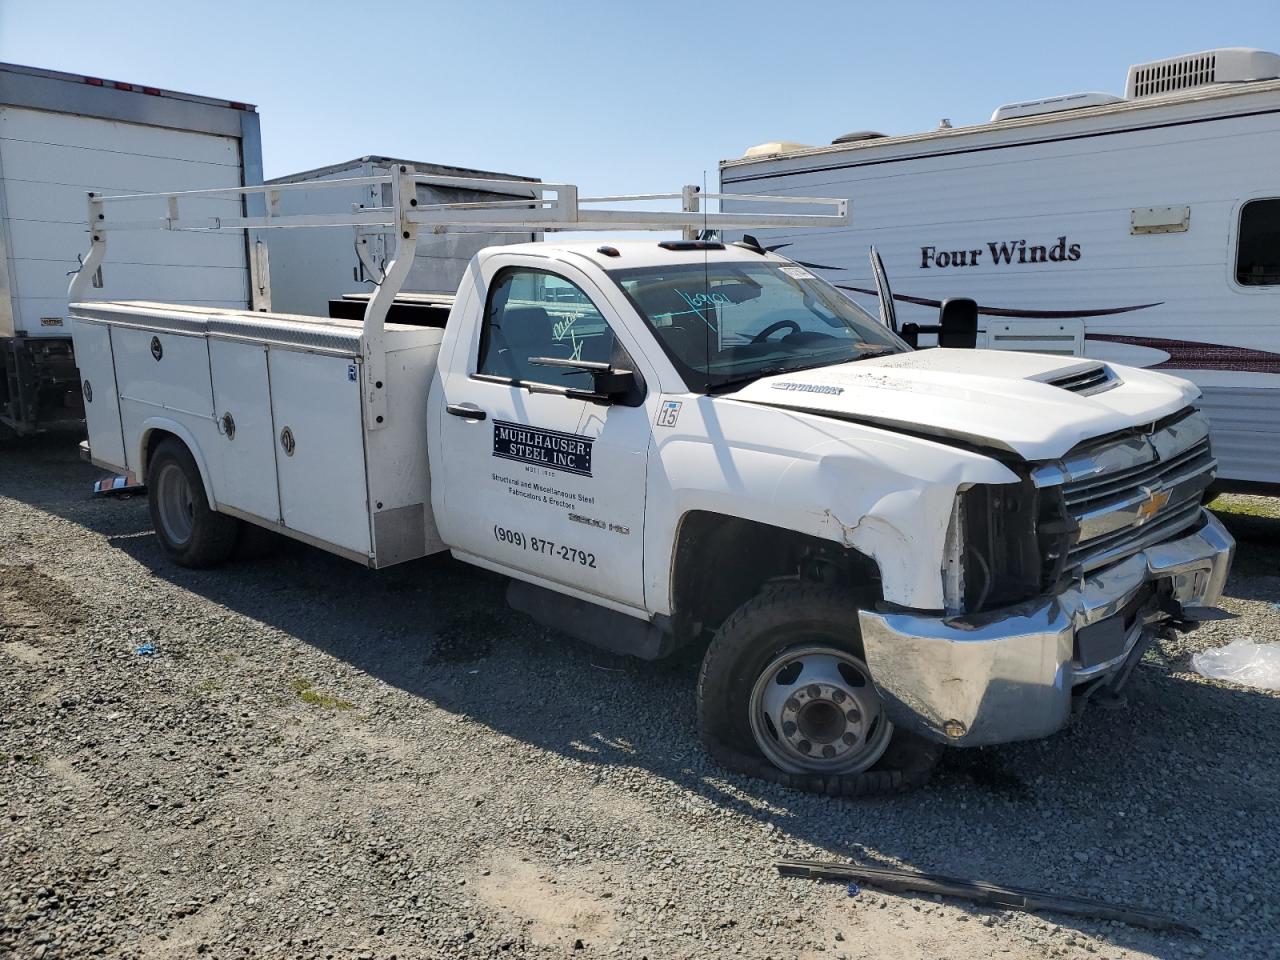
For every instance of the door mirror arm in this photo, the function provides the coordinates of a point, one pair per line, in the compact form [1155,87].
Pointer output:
[609,384]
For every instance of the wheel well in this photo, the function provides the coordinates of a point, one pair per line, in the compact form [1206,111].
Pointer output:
[721,562]
[154,438]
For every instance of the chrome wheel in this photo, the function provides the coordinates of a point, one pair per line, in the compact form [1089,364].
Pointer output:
[814,710]
[176,503]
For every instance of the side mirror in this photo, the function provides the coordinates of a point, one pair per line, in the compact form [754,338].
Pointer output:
[618,386]
[958,323]
[609,384]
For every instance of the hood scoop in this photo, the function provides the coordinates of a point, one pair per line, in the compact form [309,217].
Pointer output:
[1092,379]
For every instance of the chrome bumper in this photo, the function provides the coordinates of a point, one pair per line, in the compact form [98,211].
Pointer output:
[1009,675]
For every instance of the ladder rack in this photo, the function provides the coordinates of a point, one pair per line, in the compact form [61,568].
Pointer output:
[552,207]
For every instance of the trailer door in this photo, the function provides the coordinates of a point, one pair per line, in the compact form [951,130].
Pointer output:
[50,161]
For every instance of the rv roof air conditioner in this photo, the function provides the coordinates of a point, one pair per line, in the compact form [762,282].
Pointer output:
[1226,65]
[1072,101]
[774,148]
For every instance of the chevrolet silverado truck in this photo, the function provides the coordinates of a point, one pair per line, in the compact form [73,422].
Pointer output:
[686,442]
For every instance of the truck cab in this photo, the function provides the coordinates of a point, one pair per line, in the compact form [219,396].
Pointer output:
[684,443]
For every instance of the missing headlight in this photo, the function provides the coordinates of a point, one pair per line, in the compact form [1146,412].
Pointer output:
[1006,543]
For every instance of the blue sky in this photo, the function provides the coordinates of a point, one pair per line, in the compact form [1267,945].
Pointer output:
[613,96]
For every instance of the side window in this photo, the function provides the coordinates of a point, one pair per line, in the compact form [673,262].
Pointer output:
[532,313]
[1258,253]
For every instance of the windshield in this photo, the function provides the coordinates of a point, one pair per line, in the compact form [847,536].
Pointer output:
[728,323]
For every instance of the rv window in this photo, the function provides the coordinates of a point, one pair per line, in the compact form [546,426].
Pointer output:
[1258,255]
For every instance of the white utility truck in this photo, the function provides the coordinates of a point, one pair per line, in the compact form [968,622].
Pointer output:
[62,134]
[663,443]
[1141,229]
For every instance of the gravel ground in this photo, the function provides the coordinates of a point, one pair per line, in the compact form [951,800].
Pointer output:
[321,761]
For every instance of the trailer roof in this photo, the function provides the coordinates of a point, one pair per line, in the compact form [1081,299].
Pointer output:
[434,169]
[18,69]
[1196,95]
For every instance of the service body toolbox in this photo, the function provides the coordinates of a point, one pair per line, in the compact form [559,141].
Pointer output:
[280,395]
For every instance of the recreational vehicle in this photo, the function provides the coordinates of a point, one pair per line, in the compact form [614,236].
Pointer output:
[1142,229]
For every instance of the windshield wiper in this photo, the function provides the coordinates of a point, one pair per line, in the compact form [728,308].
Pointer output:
[873,352]
[773,371]
[753,376]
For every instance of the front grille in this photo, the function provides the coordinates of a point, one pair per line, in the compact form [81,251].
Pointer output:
[1130,493]
[1084,381]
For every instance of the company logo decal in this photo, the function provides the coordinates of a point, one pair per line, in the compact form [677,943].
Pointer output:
[545,448]
[1002,252]
[808,387]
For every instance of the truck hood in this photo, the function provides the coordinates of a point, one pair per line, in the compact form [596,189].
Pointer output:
[1034,405]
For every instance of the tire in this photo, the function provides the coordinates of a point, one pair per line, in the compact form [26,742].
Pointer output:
[192,534]
[751,675]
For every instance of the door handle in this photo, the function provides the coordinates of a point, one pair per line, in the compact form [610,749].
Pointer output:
[468,411]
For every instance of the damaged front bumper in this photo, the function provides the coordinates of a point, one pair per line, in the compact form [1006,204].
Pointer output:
[1013,674]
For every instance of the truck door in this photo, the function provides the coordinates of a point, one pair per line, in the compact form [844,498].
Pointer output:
[538,482]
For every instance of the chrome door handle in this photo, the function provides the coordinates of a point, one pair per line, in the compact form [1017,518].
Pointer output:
[468,411]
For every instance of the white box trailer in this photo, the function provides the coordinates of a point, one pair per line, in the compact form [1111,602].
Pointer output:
[62,135]
[312,269]
[1142,229]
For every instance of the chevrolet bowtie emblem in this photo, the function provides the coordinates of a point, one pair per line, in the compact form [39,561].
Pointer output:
[1156,499]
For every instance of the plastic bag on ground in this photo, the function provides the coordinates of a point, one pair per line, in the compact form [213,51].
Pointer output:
[1241,661]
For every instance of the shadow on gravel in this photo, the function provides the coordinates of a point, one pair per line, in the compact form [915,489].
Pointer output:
[46,472]
[1258,542]
[1103,809]
[1158,803]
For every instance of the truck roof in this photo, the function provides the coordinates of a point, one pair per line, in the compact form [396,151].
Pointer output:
[631,253]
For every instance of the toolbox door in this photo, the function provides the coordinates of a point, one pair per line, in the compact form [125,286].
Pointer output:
[244,468]
[319,439]
[101,402]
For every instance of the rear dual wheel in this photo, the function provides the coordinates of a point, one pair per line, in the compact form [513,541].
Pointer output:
[785,694]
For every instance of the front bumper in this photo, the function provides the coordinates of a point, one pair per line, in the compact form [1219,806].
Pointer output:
[1011,674]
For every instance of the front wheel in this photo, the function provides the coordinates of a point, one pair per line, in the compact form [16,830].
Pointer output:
[190,532]
[784,694]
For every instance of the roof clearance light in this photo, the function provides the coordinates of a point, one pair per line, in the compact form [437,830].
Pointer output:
[608,251]
[237,105]
[122,86]
[93,81]
[691,245]
[154,91]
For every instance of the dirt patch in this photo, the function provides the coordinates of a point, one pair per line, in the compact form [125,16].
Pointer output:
[555,912]
[24,653]
[32,601]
